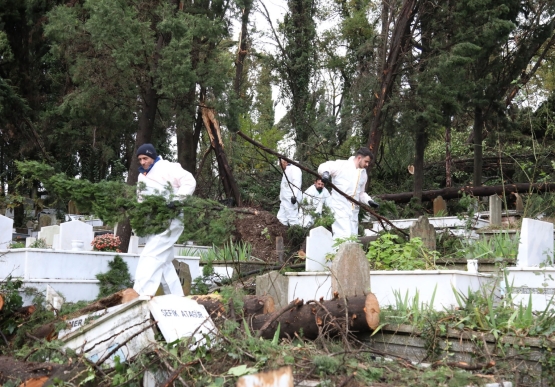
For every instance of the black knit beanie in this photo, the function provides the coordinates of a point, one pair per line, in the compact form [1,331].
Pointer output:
[147,150]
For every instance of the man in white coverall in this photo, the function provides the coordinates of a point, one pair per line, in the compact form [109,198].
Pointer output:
[289,194]
[350,177]
[314,199]
[155,263]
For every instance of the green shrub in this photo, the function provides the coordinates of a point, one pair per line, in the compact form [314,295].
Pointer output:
[391,252]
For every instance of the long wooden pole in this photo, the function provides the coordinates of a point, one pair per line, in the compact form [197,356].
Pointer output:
[308,170]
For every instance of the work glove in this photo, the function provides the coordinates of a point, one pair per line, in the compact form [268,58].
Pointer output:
[326,177]
[293,200]
[373,204]
[173,205]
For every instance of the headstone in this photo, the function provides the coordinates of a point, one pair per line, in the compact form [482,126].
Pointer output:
[47,233]
[519,204]
[422,229]
[495,208]
[29,241]
[184,274]
[6,231]
[133,245]
[76,230]
[54,301]
[350,271]
[72,208]
[180,317]
[30,224]
[440,206]
[536,243]
[273,284]
[56,242]
[44,221]
[318,244]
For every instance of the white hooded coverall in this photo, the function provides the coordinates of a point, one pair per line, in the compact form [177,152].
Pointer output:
[291,183]
[155,263]
[315,201]
[351,180]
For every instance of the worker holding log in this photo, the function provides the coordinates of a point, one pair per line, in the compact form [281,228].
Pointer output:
[289,194]
[350,177]
[313,201]
[155,263]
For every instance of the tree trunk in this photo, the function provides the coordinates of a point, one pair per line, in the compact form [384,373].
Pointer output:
[320,317]
[230,185]
[243,49]
[478,151]
[448,179]
[252,305]
[188,131]
[420,147]
[457,192]
[399,44]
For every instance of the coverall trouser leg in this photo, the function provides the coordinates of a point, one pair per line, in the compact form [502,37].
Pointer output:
[288,213]
[345,224]
[155,263]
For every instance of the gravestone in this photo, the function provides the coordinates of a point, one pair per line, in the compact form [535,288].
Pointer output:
[184,274]
[519,204]
[76,230]
[318,244]
[536,243]
[56,242]
[6,232]
[440,206]
[72,208]
[47,233]
[422,229]
[350,271]
[44,221]
[29,241]
[53,299]
[133,245]
[275,285]
[495,207]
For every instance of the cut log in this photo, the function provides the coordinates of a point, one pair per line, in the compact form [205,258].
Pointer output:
[1,301]
[453,193]
[252,305]
[320,317]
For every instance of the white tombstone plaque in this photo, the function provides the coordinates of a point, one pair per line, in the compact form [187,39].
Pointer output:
[6,232]
[180,317]
[56,241]
[47,233]
[133,245]
[536,243]
[29,241]
[76,230]
[318,243]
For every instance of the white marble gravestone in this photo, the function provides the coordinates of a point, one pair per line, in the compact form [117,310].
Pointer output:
[318,243]
[76,230]
[536,243]
[6,232]
[47,233]
[133,245]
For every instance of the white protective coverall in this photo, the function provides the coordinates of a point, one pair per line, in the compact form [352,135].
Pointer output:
[315,201]
[291,183]
[351,180]
[155,263]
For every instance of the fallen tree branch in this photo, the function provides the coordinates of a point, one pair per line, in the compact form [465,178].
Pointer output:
[115,349]
[457,192]
[463,365]
[365,207]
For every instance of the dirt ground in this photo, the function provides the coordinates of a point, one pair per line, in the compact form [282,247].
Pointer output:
[261,231]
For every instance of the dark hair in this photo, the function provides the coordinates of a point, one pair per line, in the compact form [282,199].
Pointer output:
[318,178]
[365,152]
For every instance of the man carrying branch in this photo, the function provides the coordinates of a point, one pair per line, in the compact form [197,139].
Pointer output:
[155,264]
[350,177]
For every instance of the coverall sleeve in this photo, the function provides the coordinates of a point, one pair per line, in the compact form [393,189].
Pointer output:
[363,197]
[185,181]
[296,180]
[332,167]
